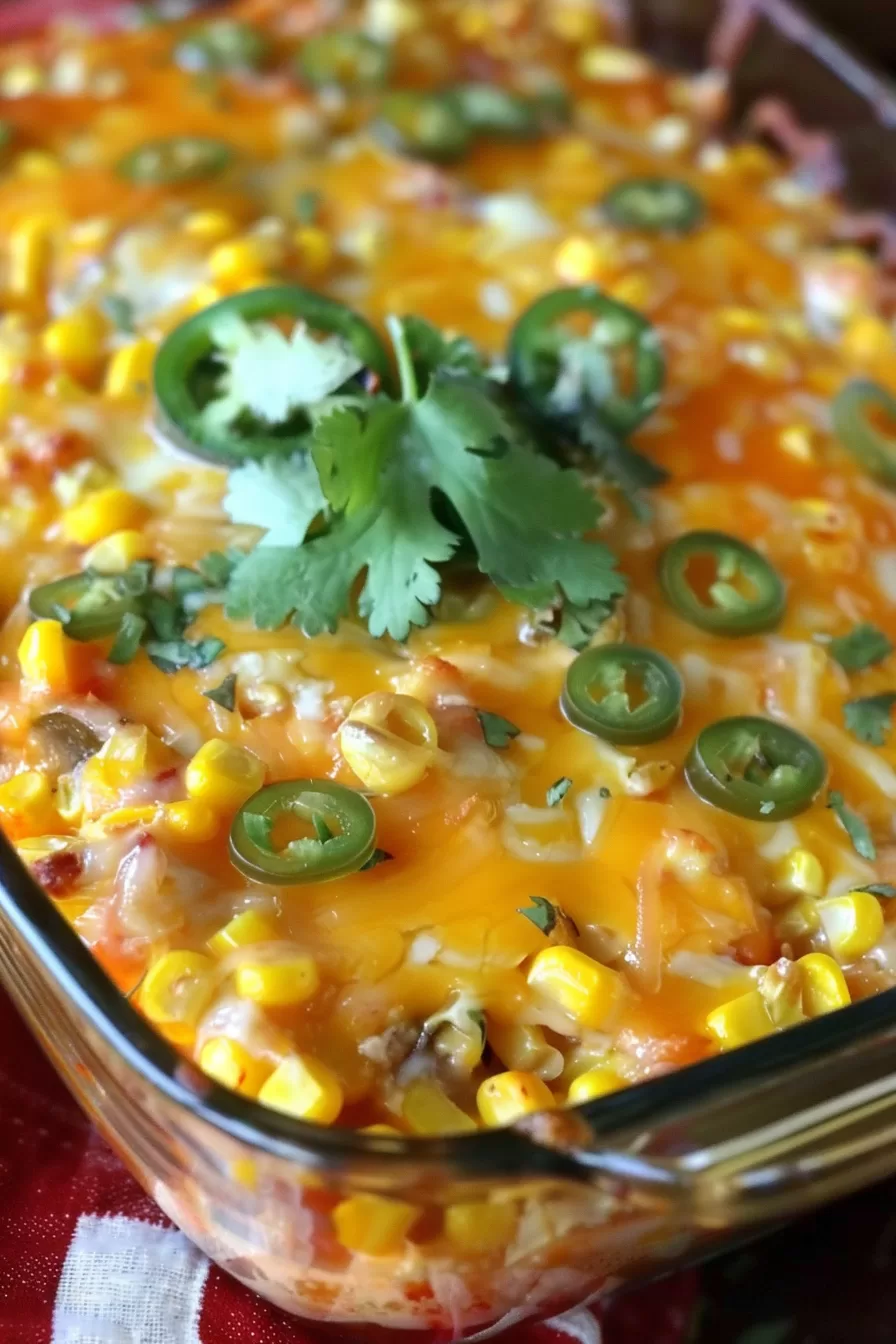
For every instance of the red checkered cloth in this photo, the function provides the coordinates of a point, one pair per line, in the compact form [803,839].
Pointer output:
[87,1258]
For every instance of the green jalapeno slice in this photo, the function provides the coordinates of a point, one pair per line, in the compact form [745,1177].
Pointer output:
[654,205]
[210,367]
[612,713]
[427,126]
[350,61]
[91,606]
[870,444]
[490,110]
[223,45]
[176,159]
[615,372]
[755,768]
[344,837]
[745,595]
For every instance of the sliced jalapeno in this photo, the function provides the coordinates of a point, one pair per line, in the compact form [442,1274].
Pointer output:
[188,367]
[755,768]
[423,126]
[178,158]
[567,377]
[869,444]
[655,205]
[222,45]
[490,110]
[597,696]
[351,61]
[745,596]
[343,821]
[90,606]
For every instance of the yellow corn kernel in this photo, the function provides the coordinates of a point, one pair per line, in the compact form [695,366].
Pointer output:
[224,775]
[30,249]
[121,819]
[386,1131]
[69,803]
[462,1049]
[742,1020]
[26,805]
[521,1046]
[278,984]
[36,165]
[45,656]
[867,338]
[117,552]
[77,339]
[204,296]
[249,927]
[798,441]
[595,1083]
[191,820]
[824,988]
[581,261]
[241,259]
[480,1228]
[100,514]
[504,1097]
[230,1064]
[428,1110]
[852,924]
[800,873]
[635,290]
[315,249]
[389,741]
[743,321]
[798,919]
[373,1224]
[582,987]
[130,370]
[575,23]
[177,989]
[21,79]
[613,65]
[209,225]
[305,1088]
[128,755]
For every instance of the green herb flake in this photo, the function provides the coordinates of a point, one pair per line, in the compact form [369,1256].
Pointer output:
[120,312]
[541,913]
[216,567]
[885,890]
[497,731]
[864,646]
[855,826]
[225,694]
[171,655]
[377,857]
[868,718]
[322,830]
[307,206]
[558,790]
[128,639]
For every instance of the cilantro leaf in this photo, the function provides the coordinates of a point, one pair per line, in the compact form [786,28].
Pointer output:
[864,646]
[282,495]
[216,567]
[225,694]
[307,205]
[868,718]
[432,350]
[885,890]
[855,826]
[578,624]
[120,312]
[558,791]
[541,913]
[497,731]
[170,655]
[271,375]
[621,465]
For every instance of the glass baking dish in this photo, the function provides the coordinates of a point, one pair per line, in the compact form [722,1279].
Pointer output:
[632,1185]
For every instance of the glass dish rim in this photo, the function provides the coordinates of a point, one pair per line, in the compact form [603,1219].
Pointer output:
[486,1153]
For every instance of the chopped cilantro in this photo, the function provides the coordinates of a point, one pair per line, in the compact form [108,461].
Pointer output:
[170,655]
[307,206]
[558,790]
[120,312]
[885,890]
[497,731]
[868,718]
[128,640]
[621,465]
[432,350]
[216,567]
[541,913]
[855,826]
[604,792]
[864,646]
[377,857]
[225,694]
[579,624]
[166,617]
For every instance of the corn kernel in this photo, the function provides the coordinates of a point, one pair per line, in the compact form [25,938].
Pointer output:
[824,988]
[209,225]
[798,442]
[428,1110]
[242,259]
[130,370]
[373,1224]
[77,339]
[595,1083]
[246,928]
[521,1046]
[635,290]
[21,79]
[462,1049]
[385,1131]
[30,249]
[127,756]
[852,924]
[589,992]
[100,514]
[117,552]
[743,321]
[26,805]
[742,1020]
[69,803]
[35,165]
[800,873]
[305,1088]
[177,989]
[505,1097]
[45,656]
[480,1228]
[230,1064]
[797,920]
[575,23]
[204,296]
[389,741]
[191,820]
[122,819]
[580,261]
[315,249]
[866,339]
[278,984]
[224,775]
[613,65]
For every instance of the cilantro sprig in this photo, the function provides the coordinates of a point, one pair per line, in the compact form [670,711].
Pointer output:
[868,717]
[864,646]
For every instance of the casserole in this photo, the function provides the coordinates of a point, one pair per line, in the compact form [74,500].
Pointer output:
[642,1179]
